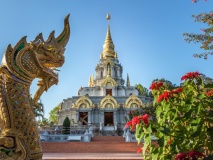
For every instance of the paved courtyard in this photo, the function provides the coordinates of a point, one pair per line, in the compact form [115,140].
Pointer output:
[111,156]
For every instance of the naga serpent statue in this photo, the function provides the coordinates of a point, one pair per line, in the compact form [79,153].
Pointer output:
[21,64]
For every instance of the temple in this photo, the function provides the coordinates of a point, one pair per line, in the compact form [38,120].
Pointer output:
[107,99]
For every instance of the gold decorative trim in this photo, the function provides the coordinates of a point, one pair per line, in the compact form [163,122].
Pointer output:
[83,102]
[133,102]
[108,102]
[109,80]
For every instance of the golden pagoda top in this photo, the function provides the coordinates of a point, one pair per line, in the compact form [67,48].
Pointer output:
[108,47]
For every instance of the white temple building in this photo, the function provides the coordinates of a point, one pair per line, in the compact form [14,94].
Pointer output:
[107,99]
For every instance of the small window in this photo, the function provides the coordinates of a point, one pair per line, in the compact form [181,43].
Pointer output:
[101,74]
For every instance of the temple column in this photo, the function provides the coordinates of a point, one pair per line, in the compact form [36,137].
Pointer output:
[112,71]
[77,117]
[89,118]
[105,71]
[118,73]
[101,117]
[114,117]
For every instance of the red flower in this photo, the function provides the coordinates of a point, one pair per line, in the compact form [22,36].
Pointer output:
[145,118]
[192,154]
[190,75]
[139,150]
[136,120]
[156,85]
[181,156]
[210,93]
[169,142]
[165,95]
[195,154]
[177,90]
[128,124]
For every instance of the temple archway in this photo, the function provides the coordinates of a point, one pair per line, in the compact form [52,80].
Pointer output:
[133,102]
[83,102]
[108,102]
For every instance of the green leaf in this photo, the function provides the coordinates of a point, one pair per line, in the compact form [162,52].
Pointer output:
[147,139]
[144,148]
[165,130]
[195,122]
[210,146]
[199,81]
[201,96]
[197,131]
[161,141]
[188,114]
[210,132]
[139,137]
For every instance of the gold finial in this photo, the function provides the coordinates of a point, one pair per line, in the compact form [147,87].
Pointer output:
[108,16]
[108,47]
[89,83]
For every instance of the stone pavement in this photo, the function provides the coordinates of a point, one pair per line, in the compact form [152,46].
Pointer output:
[91,156]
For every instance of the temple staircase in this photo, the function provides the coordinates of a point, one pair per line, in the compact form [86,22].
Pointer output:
[99,144]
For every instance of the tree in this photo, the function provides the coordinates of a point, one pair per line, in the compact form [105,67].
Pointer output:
[166,83]
[43,122]
[38,109]
[66,126]
[142,90]
[205,38]
[184,127]
[54,114]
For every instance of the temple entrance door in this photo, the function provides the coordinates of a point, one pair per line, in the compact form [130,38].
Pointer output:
[108,119]
[109,91]
[83,118]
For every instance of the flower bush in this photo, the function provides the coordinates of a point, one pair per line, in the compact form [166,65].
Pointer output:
[184,126]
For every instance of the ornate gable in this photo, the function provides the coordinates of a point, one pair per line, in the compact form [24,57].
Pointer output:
[83,102]
[109,81]
[133,102]
[109,102]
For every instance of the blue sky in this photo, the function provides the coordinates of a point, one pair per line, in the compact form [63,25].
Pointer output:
[148,37]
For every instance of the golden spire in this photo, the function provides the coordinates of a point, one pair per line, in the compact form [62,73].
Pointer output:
[116,56]
[127,81]
[108,47]
[89,83]
[92,80]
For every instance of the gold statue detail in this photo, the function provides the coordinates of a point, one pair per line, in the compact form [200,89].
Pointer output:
[21,64]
